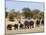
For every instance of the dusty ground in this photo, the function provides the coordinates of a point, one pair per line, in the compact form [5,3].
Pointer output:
[36,29]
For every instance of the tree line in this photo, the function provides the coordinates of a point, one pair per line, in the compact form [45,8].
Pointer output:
[26,12]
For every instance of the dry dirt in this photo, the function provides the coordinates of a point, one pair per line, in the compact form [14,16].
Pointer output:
[34,30]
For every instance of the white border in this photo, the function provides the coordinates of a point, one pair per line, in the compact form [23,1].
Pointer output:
[2,17]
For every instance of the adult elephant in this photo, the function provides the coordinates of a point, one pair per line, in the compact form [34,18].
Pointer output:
[9,27]
[16,26]
[26,24]
[31,23]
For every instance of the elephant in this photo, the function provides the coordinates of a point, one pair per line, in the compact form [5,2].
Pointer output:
[26,24]
[9,27]
[42,22]
[37,23]
[16,26]
[31,23]
[21,26]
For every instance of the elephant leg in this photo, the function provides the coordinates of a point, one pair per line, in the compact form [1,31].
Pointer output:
[32,26]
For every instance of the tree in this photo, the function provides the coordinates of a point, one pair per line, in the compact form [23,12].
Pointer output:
[12,15]
[42,15]
[13,12]
[27,12]
[6,14]
[36,13]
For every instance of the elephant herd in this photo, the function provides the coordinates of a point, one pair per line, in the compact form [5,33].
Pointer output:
[26,25]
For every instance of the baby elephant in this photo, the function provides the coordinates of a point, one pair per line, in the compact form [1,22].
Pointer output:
[42,22]
[38,23]
[21,26]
